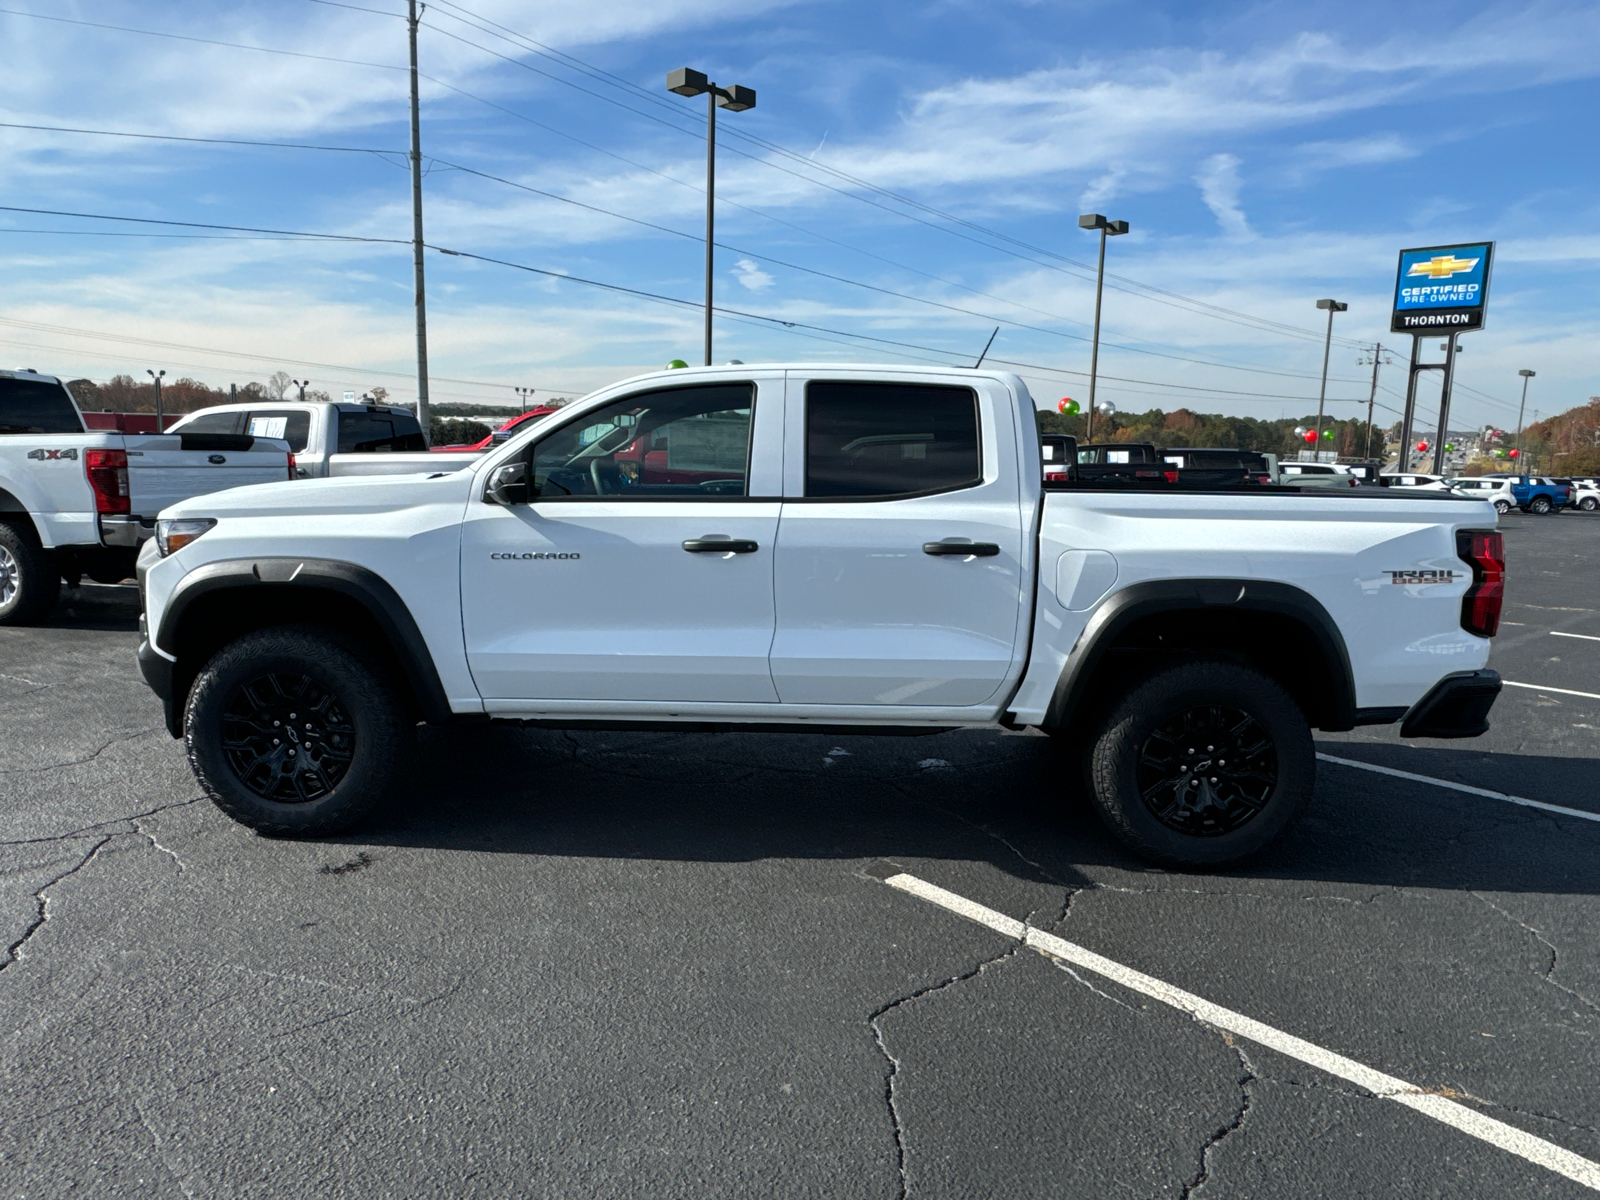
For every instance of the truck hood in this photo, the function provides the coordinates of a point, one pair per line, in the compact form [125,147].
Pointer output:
[346,494]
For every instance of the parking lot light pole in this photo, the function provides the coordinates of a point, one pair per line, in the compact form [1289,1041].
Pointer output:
[1107,229]
[1333,306]
[1521,408]
[301,384]
[687,82]
[160,422]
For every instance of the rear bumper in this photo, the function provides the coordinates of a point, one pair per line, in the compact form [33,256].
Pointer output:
[125,531]
[1457,707]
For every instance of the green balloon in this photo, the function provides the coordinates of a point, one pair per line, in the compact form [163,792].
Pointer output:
[1449,445]
[676,364]
[1327,435]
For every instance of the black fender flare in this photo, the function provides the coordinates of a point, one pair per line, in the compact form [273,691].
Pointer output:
[1151,597]
[391,618]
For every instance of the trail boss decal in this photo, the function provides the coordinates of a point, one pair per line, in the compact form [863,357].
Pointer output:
[1420,576]
[70,454]
[527,554]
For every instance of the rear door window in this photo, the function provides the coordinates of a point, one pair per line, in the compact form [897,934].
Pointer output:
[292,425]
[36,406]
[364,432]
[890,439]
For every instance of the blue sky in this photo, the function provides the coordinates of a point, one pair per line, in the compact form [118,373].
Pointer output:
[1265,155]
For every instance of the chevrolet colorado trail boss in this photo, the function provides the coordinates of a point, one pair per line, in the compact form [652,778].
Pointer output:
[76,501]
[824,549]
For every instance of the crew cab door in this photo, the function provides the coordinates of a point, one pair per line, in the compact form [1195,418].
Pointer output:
[886,480]
[613,583]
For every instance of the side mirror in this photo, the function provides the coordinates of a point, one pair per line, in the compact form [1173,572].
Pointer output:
[509,485]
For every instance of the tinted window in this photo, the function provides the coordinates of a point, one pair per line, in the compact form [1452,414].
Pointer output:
[293,426]
[890,439]
[34,406]
[680,443]
[379,433]
[222,422]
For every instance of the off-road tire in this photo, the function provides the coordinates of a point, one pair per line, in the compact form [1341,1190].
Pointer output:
[1539,505]
[356,737]
[30,581]
[1139,729]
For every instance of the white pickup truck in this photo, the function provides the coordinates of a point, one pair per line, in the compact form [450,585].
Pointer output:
[77,502]
[825,549]
[331,439]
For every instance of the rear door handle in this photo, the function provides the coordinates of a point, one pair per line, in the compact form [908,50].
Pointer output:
[713,545]
[948,546]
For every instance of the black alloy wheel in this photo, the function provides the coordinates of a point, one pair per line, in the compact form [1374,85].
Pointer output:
[287,738]
[296,731]
[1202,764]
[1207,771]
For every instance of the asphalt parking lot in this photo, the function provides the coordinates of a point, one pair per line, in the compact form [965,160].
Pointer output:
[652,965]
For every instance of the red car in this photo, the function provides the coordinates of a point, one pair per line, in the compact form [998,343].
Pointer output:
[503,432]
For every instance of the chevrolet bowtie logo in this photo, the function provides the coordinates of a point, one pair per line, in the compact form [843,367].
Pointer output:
[1442,266]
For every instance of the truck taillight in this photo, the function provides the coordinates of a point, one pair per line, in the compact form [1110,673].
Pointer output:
[291,464]
[108,476]
[1485,553]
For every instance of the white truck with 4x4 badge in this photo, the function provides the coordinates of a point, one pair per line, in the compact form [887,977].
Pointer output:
[820,548]
[75,501]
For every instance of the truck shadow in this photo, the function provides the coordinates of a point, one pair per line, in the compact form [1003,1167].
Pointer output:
[96,606]
[969,796]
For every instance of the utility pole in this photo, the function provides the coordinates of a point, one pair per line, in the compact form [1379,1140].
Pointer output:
[1372,396]
[423,415]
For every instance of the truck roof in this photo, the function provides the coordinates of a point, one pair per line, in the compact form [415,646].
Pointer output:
[29,374]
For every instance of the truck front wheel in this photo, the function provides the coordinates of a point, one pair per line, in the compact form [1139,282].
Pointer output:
[1203,765]
[1539,505]
[30,581]
[293,735]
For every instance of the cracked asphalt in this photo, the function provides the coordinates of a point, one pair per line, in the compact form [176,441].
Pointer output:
[657,965]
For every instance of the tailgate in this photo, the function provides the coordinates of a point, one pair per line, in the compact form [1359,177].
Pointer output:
[166,468]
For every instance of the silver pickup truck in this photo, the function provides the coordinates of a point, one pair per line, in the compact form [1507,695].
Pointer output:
[77,502]
[331,439]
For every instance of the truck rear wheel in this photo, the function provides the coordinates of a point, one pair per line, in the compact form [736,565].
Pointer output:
[1539,505]
[292,734]
[30,581]
[1203,765]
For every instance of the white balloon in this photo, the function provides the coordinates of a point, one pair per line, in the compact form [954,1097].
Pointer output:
[1105,408]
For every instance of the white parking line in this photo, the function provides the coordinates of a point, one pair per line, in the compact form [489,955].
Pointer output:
[1588,637]
[1534,687]
[1487,793]
[1386,1087]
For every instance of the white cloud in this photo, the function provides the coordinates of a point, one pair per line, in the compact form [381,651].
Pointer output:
[1218,179]
[751,276]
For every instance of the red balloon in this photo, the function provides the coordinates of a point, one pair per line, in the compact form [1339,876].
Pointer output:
[1422,446]
[1311,435]
[1514,453]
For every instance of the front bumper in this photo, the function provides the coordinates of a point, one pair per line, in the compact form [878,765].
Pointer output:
[157,672]
[1457,707]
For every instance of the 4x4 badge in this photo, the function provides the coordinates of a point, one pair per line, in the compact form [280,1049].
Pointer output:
[71,452]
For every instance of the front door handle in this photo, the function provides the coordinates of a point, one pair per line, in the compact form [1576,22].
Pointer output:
[715,545]
[948,546]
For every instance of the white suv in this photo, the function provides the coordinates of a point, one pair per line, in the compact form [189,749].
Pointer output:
[1487,488]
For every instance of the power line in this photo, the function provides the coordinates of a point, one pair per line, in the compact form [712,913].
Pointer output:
[167,137]
[329,237]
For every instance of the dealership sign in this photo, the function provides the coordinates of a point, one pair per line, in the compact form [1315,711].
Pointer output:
[1442,289]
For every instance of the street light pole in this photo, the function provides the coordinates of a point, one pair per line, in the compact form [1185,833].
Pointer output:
[160,422]
[1526,375]
[1333,306]
[687,82]
[301,384]
[1107,229]
[424,416]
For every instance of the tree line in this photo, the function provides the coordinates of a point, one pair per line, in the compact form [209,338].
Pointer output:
[124,393]
[1184,427]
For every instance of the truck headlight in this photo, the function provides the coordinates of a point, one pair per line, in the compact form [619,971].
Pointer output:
[175,534]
